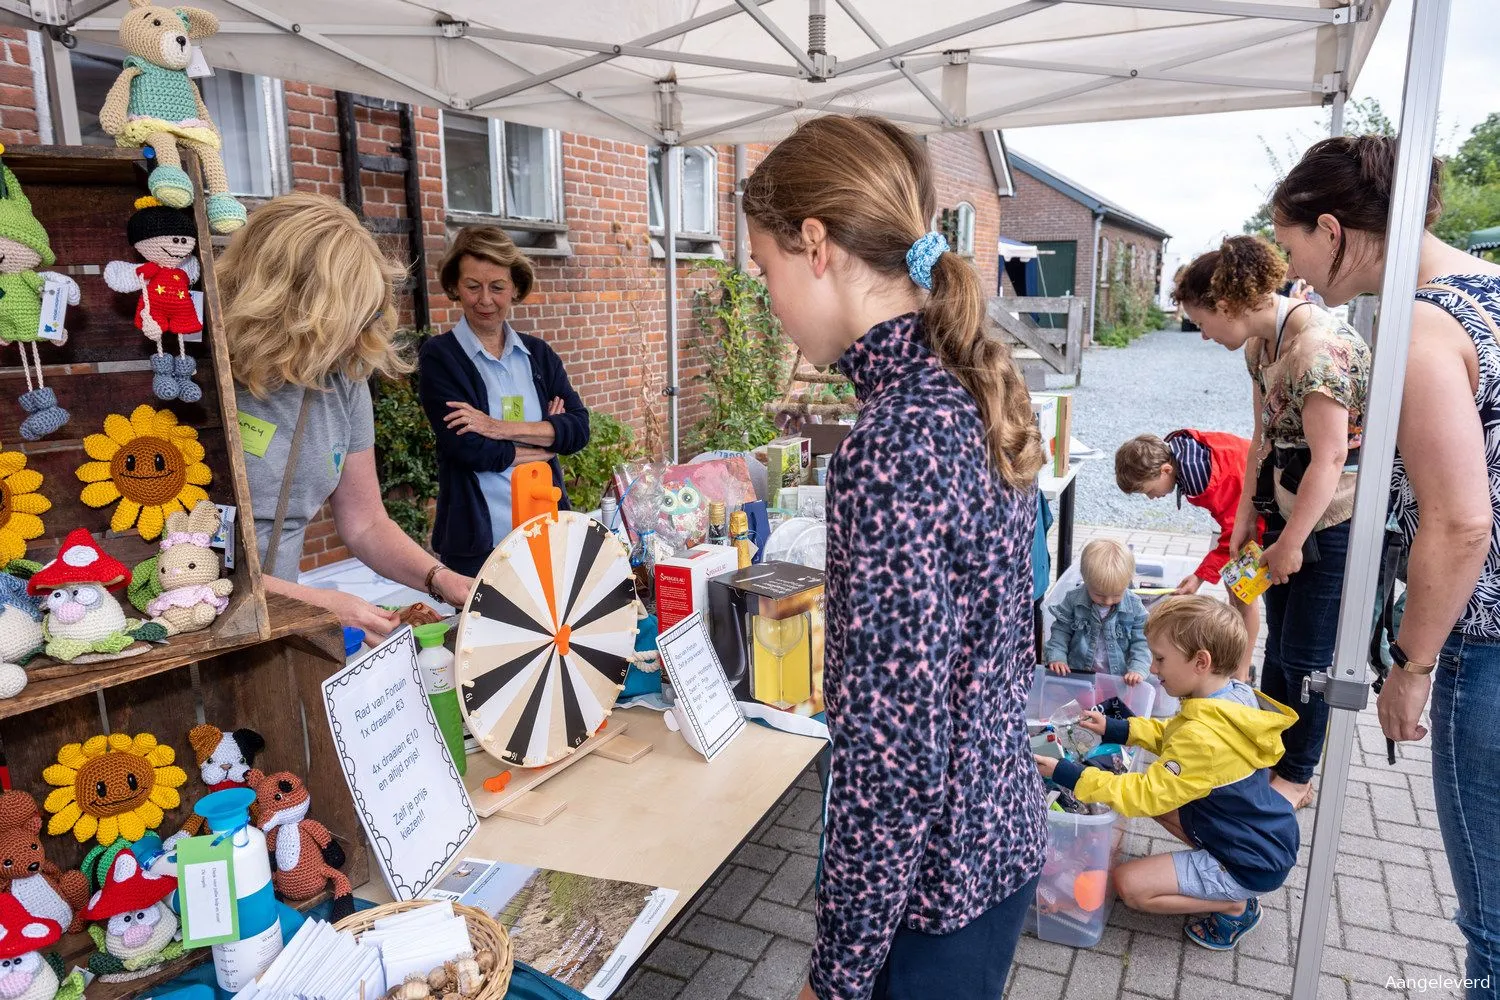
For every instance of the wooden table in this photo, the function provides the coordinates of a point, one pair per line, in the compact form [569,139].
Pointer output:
[670,819]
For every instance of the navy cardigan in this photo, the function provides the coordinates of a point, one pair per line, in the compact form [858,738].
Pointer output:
[446,374]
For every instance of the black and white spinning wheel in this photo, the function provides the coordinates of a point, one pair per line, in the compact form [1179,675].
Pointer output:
[546,638]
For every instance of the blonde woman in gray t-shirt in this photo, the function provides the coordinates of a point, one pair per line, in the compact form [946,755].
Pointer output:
[309,317]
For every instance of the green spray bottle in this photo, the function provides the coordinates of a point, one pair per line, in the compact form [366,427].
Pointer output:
[436,663]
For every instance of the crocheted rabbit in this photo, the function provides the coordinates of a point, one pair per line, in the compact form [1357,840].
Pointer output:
[24,247]
[166,237]
[155,103]
[192,594]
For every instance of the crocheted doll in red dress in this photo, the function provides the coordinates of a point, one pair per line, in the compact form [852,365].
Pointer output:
[167,238]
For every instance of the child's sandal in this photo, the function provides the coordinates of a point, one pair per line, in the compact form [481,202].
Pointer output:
[1218,932]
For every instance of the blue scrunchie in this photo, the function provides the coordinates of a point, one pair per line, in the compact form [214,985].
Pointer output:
[923,255]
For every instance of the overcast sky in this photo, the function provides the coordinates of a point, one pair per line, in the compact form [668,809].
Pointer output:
[1201,177]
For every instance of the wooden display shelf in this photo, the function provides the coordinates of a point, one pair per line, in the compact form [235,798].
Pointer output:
[272,686]
[83,196]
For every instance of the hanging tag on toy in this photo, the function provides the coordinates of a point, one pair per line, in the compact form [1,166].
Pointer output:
[224,540]
[54,310]
[198,66]
[205,891]
[197,336]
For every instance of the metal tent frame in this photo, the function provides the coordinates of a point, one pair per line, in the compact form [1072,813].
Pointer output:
[673,81]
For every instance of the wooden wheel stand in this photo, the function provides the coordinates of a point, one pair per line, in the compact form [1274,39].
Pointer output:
[510,791]
[261,664]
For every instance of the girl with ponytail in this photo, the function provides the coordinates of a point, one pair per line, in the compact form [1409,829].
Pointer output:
[935,830]
[1310,373]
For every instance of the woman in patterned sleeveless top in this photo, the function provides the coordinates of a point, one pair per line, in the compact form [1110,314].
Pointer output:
[1330,214]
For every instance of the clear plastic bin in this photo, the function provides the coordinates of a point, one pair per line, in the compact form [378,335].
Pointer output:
[1050,691]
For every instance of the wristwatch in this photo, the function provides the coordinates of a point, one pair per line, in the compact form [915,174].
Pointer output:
[1398,657]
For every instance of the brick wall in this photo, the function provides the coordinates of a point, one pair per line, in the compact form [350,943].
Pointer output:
[966,175]
[1144,274]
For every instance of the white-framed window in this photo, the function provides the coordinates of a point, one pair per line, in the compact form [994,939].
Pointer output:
[696,214]
[250,112]
[502,169]
[957,223]
[1103,276]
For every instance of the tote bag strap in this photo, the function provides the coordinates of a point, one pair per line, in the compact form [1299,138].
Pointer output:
[273,548]
[1473,303]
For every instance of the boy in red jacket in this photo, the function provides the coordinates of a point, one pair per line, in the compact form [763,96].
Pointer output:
[1208,468]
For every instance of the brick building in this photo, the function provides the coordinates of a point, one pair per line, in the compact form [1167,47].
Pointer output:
[587,210]
[1082,235]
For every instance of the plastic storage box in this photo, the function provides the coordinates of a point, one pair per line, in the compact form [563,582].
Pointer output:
[1076,893]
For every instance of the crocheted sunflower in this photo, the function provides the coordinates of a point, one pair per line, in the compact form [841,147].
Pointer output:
[112,786]
[20,503]
[150,463]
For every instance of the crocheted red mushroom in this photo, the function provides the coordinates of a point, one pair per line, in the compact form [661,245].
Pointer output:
[80,560]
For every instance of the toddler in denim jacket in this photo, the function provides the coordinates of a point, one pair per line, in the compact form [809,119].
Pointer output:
[1100,626]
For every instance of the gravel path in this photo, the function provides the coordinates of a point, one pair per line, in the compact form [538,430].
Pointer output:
[1159,383]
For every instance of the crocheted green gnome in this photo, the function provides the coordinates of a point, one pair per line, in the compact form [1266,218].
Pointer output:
[23,248]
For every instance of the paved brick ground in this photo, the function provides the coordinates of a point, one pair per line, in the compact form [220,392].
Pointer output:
[750,936]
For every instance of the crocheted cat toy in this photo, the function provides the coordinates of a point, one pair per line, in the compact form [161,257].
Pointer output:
[25,973]
[307,857]
[42,887]
[20,633]
[83,618]
[139,930]
[155,103]
[23,248]
[166,238]
[192,593]
[224,761]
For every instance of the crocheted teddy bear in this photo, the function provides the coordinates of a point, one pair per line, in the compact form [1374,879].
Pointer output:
[307,857]
[155,103]
[43,888]
[20,633]
[83,618]
[23,248]
[140,930]
[192,594]
[25,973]
[166,237]
[224,761]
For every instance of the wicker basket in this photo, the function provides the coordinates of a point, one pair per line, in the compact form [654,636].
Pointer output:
[484,933]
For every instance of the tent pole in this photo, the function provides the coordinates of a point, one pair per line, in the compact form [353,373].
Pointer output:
[741,235]
[1345,686]
[669,242]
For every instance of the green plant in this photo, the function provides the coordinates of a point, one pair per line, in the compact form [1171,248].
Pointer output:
[587,473]
[1129,313]
[742,345]
[405,455]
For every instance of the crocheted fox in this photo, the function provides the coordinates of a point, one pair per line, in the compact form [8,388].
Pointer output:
[307,856]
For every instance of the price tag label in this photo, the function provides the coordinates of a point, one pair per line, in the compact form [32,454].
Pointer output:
[205,891]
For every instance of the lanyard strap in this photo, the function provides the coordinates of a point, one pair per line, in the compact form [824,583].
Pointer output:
[273,548]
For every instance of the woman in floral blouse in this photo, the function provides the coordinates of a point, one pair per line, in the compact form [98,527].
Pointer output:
[1311,374]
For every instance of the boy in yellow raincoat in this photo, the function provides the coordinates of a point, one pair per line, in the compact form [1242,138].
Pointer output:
[1209,785]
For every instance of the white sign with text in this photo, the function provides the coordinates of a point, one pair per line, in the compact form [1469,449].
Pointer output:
[707,711]
[410,797]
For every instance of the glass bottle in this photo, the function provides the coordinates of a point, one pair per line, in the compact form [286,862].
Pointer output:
[739,532]
[717,532]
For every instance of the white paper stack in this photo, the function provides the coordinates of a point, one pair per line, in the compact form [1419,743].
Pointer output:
[418,940]
[320,963]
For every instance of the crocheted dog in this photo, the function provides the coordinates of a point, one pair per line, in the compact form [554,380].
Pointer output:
[43,888]
[24,247]
[166,238]
[155,103]
[192,593]
[307,857]
[224,761]
[26,973]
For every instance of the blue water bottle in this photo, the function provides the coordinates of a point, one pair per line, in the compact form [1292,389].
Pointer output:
[237,963]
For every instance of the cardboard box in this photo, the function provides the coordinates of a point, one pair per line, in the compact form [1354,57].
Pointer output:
[787,463]
[1054,414]
[768,632]
[682,582]
[826,438]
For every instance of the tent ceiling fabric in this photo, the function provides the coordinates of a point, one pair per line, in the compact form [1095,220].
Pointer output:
[719,71]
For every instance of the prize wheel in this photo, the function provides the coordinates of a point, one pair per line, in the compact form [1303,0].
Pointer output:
[546,638]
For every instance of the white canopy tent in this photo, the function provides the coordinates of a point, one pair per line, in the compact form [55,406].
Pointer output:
[675,72]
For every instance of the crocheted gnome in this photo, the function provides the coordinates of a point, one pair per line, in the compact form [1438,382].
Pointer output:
[83,618]
[20,634]
[23,248]
[167,238]
[155,103]
[140,929]
[42,887]
[192,593]
[308,859]
[25,973]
